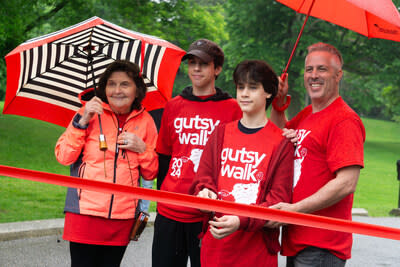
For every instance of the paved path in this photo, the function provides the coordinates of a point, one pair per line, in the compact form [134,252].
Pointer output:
[52,251]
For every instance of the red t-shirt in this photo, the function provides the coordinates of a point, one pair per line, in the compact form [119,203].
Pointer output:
[185,128]
[244,164]
[327,141]
[96,230]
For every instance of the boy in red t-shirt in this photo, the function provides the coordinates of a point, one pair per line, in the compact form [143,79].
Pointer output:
[246,161]
[187,123]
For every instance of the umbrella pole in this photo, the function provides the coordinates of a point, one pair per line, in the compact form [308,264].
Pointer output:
[102,137]
[283,75]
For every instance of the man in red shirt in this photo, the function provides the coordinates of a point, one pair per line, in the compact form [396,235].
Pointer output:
[328,159]
[187,123]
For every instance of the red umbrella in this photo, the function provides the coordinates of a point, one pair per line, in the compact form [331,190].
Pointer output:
[372,18]
[45,75]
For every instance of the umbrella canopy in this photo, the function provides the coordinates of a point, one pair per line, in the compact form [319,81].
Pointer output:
[372,18]
[46,74]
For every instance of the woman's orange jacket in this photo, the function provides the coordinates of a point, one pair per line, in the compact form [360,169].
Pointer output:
[113,165]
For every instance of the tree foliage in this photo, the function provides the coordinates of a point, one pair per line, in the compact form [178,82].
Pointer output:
[180,22]
[268,30]
[255,29]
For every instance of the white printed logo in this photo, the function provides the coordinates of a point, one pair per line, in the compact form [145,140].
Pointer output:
[176,166]
[195,156]
[299,155]
[177,163]
[250,159]
[243,193]
[204,127]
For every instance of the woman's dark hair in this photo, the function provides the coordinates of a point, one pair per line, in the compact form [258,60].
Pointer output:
[260,72]
[133,71]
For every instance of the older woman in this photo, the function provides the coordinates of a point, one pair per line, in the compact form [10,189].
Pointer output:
[98,224]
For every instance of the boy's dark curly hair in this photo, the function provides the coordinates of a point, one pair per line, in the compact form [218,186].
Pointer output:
[257,71]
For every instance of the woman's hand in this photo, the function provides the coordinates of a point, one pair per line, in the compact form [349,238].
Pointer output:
[224,226]
[92,107]
[132,142]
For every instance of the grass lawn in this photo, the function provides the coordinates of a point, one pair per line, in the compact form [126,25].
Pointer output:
[29,144]
[378,187]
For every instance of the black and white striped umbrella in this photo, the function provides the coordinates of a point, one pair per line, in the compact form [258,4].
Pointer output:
[46,74]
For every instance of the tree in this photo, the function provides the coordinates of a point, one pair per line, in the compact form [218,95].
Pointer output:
[22,20]
[268,30]
[245,29]
[265,30]
[180,22]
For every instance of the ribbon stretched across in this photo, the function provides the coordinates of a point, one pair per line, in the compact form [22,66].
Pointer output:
[206,204]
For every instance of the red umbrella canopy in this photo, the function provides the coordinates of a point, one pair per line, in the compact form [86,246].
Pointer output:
[372,18]
[46,74]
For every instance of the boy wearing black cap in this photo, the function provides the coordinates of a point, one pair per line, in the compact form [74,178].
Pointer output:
[188,121]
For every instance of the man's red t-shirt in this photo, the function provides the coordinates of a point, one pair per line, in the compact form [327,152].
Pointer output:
[327,141]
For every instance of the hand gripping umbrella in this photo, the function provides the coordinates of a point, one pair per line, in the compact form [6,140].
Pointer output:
[46,74]
[372,18]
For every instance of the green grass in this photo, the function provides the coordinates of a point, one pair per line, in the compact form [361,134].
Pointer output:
[378,188]
[29,144]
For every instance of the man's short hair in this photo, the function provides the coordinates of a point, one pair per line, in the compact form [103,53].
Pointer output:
[327,48]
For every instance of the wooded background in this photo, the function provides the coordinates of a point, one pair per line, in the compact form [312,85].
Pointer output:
[257,29]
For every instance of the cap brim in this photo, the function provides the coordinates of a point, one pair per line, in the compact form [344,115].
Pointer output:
[198,53]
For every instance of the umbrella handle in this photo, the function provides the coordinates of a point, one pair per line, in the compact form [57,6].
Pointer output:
[283,76]
[102,137]
[102,142]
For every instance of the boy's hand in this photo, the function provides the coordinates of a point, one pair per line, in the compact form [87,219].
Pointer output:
[207,193]
[224,226]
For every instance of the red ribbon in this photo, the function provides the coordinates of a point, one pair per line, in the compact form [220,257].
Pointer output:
[206,204]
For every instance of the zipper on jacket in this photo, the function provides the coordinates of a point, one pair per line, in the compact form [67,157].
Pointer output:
[81,172]
[115,171]
[119,131]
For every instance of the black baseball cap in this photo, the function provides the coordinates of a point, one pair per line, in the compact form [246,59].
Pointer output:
[207,51]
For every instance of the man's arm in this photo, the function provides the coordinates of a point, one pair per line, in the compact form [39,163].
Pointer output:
[335,190]
[279,117]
